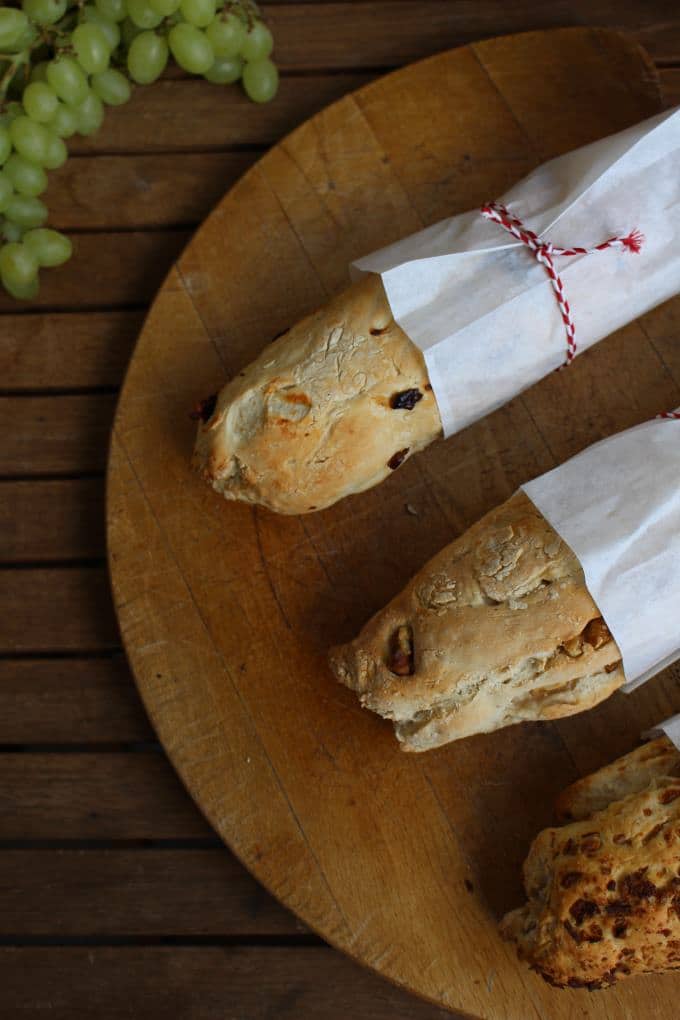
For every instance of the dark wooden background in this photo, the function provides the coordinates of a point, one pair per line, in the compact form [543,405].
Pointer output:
[116,900]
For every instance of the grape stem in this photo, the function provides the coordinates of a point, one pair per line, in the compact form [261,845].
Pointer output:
[16,60]
[248,8]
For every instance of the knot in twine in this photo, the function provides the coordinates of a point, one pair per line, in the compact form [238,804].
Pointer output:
[544,252]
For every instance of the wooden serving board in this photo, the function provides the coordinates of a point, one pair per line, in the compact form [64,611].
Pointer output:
[405,862]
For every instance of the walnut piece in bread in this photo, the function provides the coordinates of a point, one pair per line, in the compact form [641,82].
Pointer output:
[330,408]
[498,627]
[604,892]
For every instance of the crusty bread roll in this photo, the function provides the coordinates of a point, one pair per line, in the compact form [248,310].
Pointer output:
[498,627]
[330,408]
[603,892]
[630,774]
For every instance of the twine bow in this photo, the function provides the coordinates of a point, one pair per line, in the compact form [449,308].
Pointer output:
[544,252]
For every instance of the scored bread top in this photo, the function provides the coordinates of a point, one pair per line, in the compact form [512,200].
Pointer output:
[330,408]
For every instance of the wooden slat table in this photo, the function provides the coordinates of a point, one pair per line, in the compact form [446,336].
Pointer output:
[116,899]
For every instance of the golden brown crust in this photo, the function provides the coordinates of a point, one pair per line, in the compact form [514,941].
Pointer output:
[330,408]
[604,892]
[502,630]
[630,774]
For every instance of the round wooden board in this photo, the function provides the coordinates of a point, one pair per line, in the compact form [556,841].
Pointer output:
[404,862]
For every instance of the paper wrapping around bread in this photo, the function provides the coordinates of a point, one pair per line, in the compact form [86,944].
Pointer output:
[617,506]
[330,408]
[497,628]
[483,311]
[604,892]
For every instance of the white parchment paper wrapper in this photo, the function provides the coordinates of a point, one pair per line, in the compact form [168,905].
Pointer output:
[482,309]
[617,505]
[671,727]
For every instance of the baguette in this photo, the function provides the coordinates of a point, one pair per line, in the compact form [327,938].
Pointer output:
[603,892]
[497,628]
[330,408]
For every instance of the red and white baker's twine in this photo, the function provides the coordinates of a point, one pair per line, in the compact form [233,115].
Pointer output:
[673,415]
[544,252]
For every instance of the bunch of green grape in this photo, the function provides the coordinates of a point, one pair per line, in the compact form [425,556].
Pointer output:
[63,61]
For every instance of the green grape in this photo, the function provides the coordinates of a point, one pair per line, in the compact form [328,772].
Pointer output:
[143,15]
[91,48]
[12,24]
[112,87]
[226,35]
[67,79]
[26,39]
[225,70]
[258,42]
[44,12]
[65,122]
[25,177]
[190,48]
[89,115]
[39,71]
[40,102]
[18,265]
[49,247]
[6,190]
[147,57]
[109,28]
[31,140]
[112,10]
[260,80]
[23,292]
[165,7]
[26,212]
[5,144]
[56,154]
[129,32]
[198,12]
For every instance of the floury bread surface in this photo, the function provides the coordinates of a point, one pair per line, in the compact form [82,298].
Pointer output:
[330,408]
[603,892]
[498,627]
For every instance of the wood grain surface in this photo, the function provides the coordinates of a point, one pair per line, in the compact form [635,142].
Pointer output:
[404,862]
[199,982]
[108,924]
